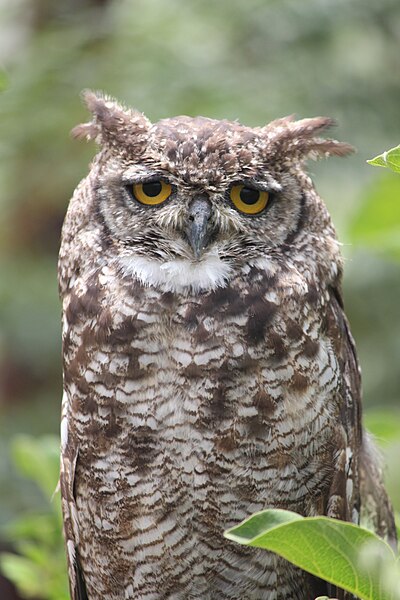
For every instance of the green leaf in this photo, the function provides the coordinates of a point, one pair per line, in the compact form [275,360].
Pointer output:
[389,159]
[325,547]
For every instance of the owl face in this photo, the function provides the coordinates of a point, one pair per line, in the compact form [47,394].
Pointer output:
[187,201]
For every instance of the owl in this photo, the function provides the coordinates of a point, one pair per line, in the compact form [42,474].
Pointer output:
[209,370]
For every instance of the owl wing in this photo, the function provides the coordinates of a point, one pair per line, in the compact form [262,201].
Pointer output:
[357,491]
[344,494]
[69,457]
[343,501]
[370,505]
[376,509]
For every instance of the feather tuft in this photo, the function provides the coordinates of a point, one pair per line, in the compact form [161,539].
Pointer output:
[113,125]
[297,139]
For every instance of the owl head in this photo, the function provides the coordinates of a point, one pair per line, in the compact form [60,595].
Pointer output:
[186,202]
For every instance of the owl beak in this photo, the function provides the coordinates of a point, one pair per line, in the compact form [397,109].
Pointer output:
[198,231]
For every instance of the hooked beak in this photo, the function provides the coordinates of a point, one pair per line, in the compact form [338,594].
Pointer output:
[197,230]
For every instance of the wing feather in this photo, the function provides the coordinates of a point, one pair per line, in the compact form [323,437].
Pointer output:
[357,486]
[69,457]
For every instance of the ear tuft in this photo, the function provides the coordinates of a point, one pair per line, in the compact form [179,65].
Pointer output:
[298,139]
[85,131]
[113,125]
[320,147]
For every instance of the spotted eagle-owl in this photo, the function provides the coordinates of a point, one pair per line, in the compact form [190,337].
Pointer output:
[209,371]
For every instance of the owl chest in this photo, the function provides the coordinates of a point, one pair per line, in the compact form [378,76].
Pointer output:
[192,399]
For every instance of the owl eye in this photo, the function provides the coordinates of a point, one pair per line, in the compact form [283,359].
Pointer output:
[152,192]
[248,200]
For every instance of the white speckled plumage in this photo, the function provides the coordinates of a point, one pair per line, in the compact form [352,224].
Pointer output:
[199,389]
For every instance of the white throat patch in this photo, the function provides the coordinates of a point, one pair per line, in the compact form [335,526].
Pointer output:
[178,275]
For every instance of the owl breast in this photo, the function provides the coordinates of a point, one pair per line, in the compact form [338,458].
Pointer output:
[200,414]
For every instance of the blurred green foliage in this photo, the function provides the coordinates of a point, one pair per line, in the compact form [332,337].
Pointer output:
[377,224]
[384,424]
[3,80]
[39,568]
[252,61]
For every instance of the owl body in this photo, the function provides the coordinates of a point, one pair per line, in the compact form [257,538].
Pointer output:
[208,367]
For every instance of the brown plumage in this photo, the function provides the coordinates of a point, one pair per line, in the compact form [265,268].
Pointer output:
[209,370]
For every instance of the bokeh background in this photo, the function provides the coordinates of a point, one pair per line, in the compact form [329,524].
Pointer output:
[251,60]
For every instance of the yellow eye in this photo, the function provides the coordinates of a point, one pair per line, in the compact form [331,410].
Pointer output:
[152,192]
[248,200]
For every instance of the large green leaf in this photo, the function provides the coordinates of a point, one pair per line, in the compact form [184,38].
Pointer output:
[389,159]
[325,547]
